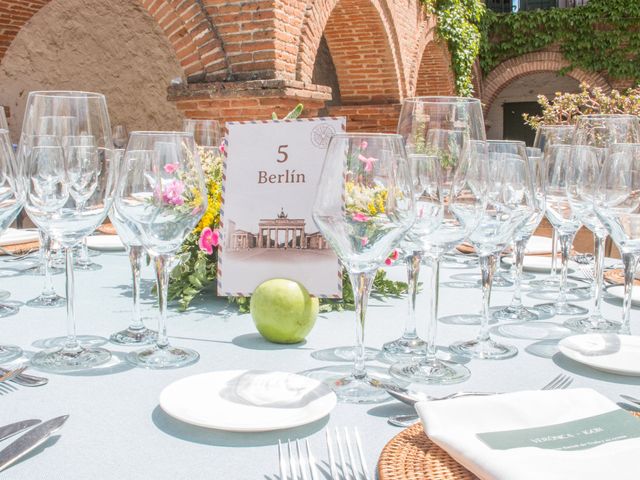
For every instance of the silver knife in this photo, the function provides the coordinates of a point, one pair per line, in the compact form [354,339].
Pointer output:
[13,428]
[30,440]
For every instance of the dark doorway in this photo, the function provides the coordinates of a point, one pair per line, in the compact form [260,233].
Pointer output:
[513,126]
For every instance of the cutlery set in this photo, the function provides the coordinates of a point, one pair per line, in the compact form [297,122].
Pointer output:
[17,376]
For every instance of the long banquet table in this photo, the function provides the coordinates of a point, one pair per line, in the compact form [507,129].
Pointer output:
[117,430]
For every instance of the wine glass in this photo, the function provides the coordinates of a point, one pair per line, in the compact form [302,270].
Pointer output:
[161,196]
[120,136]
[206,132]
[504,180]
[136,333]
[68,197]
[13,197]
[617,207]
[364,205]
[563,218]
[593,135]
[516,310]
[445,130]
[4,125]
[47,146]
[552,135]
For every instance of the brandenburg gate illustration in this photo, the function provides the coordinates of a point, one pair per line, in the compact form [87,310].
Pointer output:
[281,232]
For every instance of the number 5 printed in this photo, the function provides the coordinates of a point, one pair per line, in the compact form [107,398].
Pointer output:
[285,155]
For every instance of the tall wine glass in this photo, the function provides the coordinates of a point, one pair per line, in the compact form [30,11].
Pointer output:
[206,132]
[444,129]
[68,198]
[161,196]
[4,125]
[517,311]
[47,145]
[593,135]
[120,136]
[552,135]
[617,206]
[563,218]
[507,188]
[13,197]
[136,333]
[360,171]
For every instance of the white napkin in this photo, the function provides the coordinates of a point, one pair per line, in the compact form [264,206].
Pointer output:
[14,236]
[453,425]
[538,245]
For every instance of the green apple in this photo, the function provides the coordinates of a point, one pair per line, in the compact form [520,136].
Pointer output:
[283,310]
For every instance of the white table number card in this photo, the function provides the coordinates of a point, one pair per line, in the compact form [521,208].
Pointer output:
[271,176]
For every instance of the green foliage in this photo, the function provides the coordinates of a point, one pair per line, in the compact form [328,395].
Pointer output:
[602,36]
[458,25]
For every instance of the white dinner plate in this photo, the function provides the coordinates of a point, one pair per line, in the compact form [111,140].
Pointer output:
[618,292]
[14,236]
[539,245]
[534,263]
[105,243]
[608,352]
[247,400]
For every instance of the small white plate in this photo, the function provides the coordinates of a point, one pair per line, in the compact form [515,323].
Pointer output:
[617,291]
[105,243]
[247,400]
[608,352]
[534,263]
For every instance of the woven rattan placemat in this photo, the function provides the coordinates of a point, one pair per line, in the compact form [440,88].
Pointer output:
[21,248]
[410,455]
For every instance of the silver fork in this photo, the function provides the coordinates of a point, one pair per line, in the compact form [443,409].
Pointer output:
[559,382]
[12,373]
[295,463]
[349,463]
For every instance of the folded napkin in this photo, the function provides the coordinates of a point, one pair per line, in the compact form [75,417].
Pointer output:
[564,449]
[14,236]
[539,246]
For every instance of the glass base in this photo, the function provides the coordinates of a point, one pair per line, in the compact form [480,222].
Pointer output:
[87,267]
[565,309]
[517,314]
[510,275]
[38,270]
[9,352]
[47,301]
[163,358]
[582,292]
[485,350]
[549,283]
[7,310]
[436,372]
[462,319]
[591,324]
[349,353]
[4,294]
[134,336]
[85,341]
[69,360]
[405,348]
[349,389]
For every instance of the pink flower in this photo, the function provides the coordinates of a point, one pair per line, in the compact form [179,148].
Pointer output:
[208,239]
[360,217]
[171,167]
[388,262]
[363,145]
[368,162]
[172,193]
[392,258]
[223,147]
[364,241]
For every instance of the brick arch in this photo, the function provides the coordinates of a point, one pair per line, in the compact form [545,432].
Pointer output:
[198,49]
[514,68]
[364,47]
[435,76]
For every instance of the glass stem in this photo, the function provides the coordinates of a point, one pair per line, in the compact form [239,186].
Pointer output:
[566,240]
[518,251]
[432,320]
[84,252]
[600,238]
[162,279]
[487,269]
[554,253]
[630,263]
[361,284]
[47,290]
[413,272]
[135,258]
[72,342]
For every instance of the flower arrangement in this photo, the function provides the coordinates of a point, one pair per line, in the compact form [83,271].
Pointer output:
[198,257]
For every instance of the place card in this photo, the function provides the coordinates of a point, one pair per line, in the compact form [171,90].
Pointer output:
[271,176]
[575,435]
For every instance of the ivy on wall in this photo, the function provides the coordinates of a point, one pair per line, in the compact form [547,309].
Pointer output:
[458,25]
[602,36]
